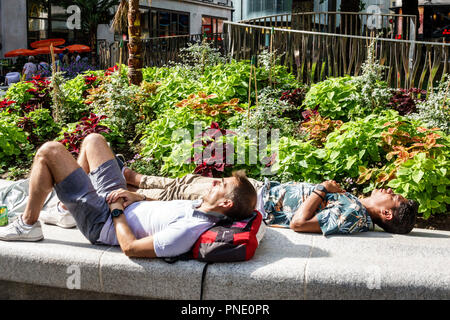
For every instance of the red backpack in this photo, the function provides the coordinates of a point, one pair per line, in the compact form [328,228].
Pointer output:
[228,241]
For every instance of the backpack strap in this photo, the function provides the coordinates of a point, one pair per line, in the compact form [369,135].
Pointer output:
[217,217]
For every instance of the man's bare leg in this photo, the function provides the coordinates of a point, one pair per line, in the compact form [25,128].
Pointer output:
[51,165]
[132,178]
[94,152]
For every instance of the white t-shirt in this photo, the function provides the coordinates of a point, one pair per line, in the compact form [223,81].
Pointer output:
[29,70]
[174,225]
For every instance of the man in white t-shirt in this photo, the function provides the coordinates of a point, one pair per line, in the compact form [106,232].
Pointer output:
[93,189]
[29,69]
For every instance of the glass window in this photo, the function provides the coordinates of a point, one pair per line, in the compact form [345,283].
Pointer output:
[37,29]
[174,24]
[206,25]
[183,24]
[154,24]
[37,9]
[164,23]
[145,23]
[58,13]
[220,25]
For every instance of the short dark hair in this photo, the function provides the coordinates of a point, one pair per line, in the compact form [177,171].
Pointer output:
[403,219]
[243,197]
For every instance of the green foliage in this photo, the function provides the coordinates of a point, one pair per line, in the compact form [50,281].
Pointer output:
[426,180]
[435,110]
[71,97]
[355,144]
[332,96]
[19,93]
[119,101]
[13,141]
[45,127]
[268,113]
[298,161]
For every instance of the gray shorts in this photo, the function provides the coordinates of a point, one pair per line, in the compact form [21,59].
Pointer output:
[84,196]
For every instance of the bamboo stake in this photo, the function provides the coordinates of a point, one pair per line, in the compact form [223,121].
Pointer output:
[270,56]
[53,58]
[120,56]
[256,86]
[249,91]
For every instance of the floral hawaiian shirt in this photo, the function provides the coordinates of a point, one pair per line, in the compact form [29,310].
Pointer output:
[339,213]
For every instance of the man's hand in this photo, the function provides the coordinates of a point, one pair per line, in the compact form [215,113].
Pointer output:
[332,186]
[128,197]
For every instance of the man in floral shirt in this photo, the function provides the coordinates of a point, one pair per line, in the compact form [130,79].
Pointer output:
[326,208]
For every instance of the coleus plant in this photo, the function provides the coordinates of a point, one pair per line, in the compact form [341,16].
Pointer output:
[294,97]
[7,105]
[210,151]
[40,93]
[319,127]
[405,100]
[87,125]
[199,103]
[401,146]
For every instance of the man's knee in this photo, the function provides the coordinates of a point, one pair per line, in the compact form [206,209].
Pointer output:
[50,149]
[94,138]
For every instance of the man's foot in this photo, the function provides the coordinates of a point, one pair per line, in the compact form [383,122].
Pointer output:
[19,231]
[59,216]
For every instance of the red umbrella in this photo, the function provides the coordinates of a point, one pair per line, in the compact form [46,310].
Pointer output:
[46,50]
[47,43]
[78,48]
[20,52]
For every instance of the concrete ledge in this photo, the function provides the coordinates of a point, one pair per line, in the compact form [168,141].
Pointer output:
[287,265]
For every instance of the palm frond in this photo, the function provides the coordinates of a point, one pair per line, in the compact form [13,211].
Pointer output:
[120,21]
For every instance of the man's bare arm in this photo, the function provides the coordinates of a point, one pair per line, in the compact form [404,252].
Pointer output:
[305,220]
[132,247]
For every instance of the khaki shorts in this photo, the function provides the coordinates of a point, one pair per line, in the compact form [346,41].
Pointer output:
[189,187]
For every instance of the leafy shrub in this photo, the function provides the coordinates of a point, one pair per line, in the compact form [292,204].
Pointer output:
[13,141]
[333,98]
[356,144]
[435,110]
[405,101]
[119,102]
[75,134]
[268,114]
[199,104]
[298,161]
[426,180]
[211,152]
[39,126]
[19,92]
[318,128]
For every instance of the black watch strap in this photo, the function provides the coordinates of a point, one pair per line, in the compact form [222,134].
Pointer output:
[320,187]
[116,212]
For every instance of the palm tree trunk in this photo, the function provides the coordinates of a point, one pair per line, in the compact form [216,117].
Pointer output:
[134,43]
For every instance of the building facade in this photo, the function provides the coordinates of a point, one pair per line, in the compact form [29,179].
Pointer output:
[25,21]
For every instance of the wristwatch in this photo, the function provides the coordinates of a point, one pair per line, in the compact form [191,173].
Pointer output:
[116,212]
[320,187]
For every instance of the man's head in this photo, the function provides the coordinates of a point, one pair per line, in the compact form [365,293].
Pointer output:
[235,196]
[392,212]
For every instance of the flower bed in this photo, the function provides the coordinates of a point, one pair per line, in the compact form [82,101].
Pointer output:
[195,117]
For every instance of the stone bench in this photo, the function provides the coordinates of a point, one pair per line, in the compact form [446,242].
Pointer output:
[287,265]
